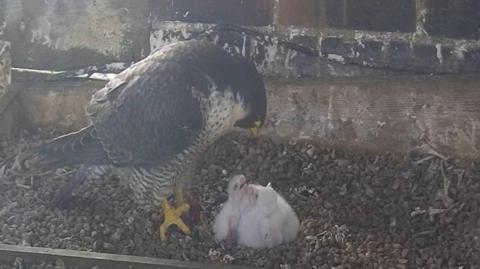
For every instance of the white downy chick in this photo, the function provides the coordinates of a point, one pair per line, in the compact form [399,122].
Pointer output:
[270,222]
[226,222]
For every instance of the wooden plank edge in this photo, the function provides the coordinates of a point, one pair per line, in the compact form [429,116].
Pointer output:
[7,99]
[84,259]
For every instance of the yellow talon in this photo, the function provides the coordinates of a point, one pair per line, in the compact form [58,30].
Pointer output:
[173,215]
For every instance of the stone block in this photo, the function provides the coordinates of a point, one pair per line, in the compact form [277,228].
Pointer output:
[70,34]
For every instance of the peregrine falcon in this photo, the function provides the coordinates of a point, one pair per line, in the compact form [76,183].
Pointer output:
[152,121]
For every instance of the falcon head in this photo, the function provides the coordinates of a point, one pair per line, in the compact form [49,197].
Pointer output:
[237,186]
[265,198]
[251,93]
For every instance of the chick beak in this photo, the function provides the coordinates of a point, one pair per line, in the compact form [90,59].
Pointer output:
[242,184]
[255,130]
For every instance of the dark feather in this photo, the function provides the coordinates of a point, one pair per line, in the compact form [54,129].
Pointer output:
[81,147]
[148,113]
[152,111]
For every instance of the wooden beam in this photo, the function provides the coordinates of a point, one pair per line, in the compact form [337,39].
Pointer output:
[87,260]
[392,113]
[384,113]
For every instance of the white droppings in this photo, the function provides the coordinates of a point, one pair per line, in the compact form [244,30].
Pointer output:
[330,108]
[185,33]
[384,46]
[167,32]
[332,70]
[244,44]
[421,23]
[3,25]
[270,54]
[411,45]
[320,40]
[336,58]
[293,32]
[116,66]
[439,52]
[460,49]
[354,53]
[381,123]
[290,55]
[358,36]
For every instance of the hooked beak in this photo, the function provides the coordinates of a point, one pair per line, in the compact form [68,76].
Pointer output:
[243,184]
[255,130]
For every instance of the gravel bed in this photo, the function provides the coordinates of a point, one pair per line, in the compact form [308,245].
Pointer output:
[358,209]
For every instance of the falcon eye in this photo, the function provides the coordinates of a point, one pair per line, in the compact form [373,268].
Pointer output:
[235,186]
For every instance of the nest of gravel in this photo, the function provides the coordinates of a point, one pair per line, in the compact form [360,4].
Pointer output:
[357,209]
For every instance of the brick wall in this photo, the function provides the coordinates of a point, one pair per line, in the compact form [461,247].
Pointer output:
[420,36]
[246,12]
[428,36]
[441,18]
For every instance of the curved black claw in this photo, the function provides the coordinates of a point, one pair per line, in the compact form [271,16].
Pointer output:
[230,241]
[66,195]
[63,198]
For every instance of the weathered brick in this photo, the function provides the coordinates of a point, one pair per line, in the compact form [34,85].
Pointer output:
[399,55]
[305,40]
[369,51]
[455,19]
[372,15]
[297,12]
[334,45]
[472,59]
[246,12]
[426,54]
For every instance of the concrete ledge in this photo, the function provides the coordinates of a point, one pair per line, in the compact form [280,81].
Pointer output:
[328,52]
[8,111]
[55,107]
[395,114]
[378,113]
[5,66]
[87,260]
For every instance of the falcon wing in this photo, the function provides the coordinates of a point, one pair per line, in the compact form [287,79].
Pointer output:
[152,110]
[148,113]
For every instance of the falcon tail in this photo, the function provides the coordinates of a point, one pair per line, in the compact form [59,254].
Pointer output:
[81,147]
[76,148]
